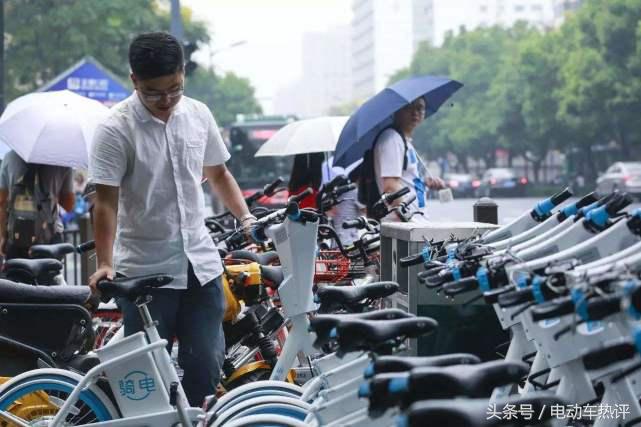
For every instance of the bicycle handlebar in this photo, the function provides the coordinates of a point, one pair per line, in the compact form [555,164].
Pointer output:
[401,209]
[555,308]
[338,181]
[361,223]
[339,191]
[86,247]
[267,191]
[330,198]
[270,189]
[300,196]
[411,260]
[561,196]
[214,226]
[389,198]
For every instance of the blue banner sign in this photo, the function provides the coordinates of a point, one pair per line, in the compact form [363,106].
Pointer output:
[90,79]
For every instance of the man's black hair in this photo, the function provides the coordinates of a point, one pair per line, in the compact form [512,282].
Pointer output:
[154,55]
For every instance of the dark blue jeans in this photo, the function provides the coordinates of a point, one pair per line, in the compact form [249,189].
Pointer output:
[195,317]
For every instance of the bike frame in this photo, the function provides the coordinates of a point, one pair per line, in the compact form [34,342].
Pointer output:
[160,363]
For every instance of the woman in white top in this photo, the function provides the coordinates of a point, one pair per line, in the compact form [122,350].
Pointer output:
[397,166]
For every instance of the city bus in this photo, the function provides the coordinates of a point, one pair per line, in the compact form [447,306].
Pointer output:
[244,137]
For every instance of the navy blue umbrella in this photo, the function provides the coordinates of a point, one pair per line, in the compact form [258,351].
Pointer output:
[377,113]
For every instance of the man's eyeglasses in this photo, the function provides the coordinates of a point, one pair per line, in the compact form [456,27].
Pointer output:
[155,97]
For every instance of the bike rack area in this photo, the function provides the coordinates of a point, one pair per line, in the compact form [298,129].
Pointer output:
[399,240]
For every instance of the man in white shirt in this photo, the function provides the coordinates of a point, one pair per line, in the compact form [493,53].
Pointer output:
[147,162]
[396,162]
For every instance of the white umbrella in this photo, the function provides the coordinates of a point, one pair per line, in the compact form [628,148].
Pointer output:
[316,135]
[52,128]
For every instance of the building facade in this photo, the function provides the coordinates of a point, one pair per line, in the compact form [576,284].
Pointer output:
[383,41]
[326,79]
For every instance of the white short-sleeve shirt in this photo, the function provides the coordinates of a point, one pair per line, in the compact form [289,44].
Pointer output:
[388,163]
[158,168]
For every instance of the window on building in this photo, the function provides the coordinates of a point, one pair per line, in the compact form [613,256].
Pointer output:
[519,8]
[483,8]
[537,7]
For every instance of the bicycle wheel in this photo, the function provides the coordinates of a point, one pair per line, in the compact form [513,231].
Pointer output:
[36,397]
[266,420]
[275,405]
[261,388]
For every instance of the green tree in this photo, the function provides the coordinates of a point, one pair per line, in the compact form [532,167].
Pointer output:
[526,98]
[45,37]
[226,96]
[527,91]
[471,127]
[599,94]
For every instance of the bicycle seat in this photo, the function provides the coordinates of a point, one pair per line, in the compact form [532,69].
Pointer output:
[390,364]
[132,287]
[356,334]
[273,274]
[437,382]
[333,295]
[57,250]
[12,292]
[323,324]
[265,258]
[478,413]
[462,380]
[33,267]
[609,354]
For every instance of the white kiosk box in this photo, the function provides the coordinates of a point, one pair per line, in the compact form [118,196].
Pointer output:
[462,327]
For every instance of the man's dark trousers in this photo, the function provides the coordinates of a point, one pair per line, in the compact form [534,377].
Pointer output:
[195,317]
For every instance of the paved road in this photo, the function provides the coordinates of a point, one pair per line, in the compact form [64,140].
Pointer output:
[462,209]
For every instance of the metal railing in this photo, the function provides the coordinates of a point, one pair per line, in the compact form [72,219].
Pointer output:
[71,263]
[78,267]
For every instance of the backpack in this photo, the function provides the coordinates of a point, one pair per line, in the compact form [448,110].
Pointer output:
[31,213]
[368,193]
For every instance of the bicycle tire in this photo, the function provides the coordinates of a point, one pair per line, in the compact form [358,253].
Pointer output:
[51,387]
[256,389]
[266,420]
[275,405]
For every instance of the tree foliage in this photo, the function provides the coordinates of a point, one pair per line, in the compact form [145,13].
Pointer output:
[45,37]
[226,96]
[527,91]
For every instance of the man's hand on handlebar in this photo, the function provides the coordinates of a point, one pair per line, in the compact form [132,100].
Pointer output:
[246,224]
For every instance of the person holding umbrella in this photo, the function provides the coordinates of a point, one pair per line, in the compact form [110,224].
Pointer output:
[396,162]
[147,162]
[380,132]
